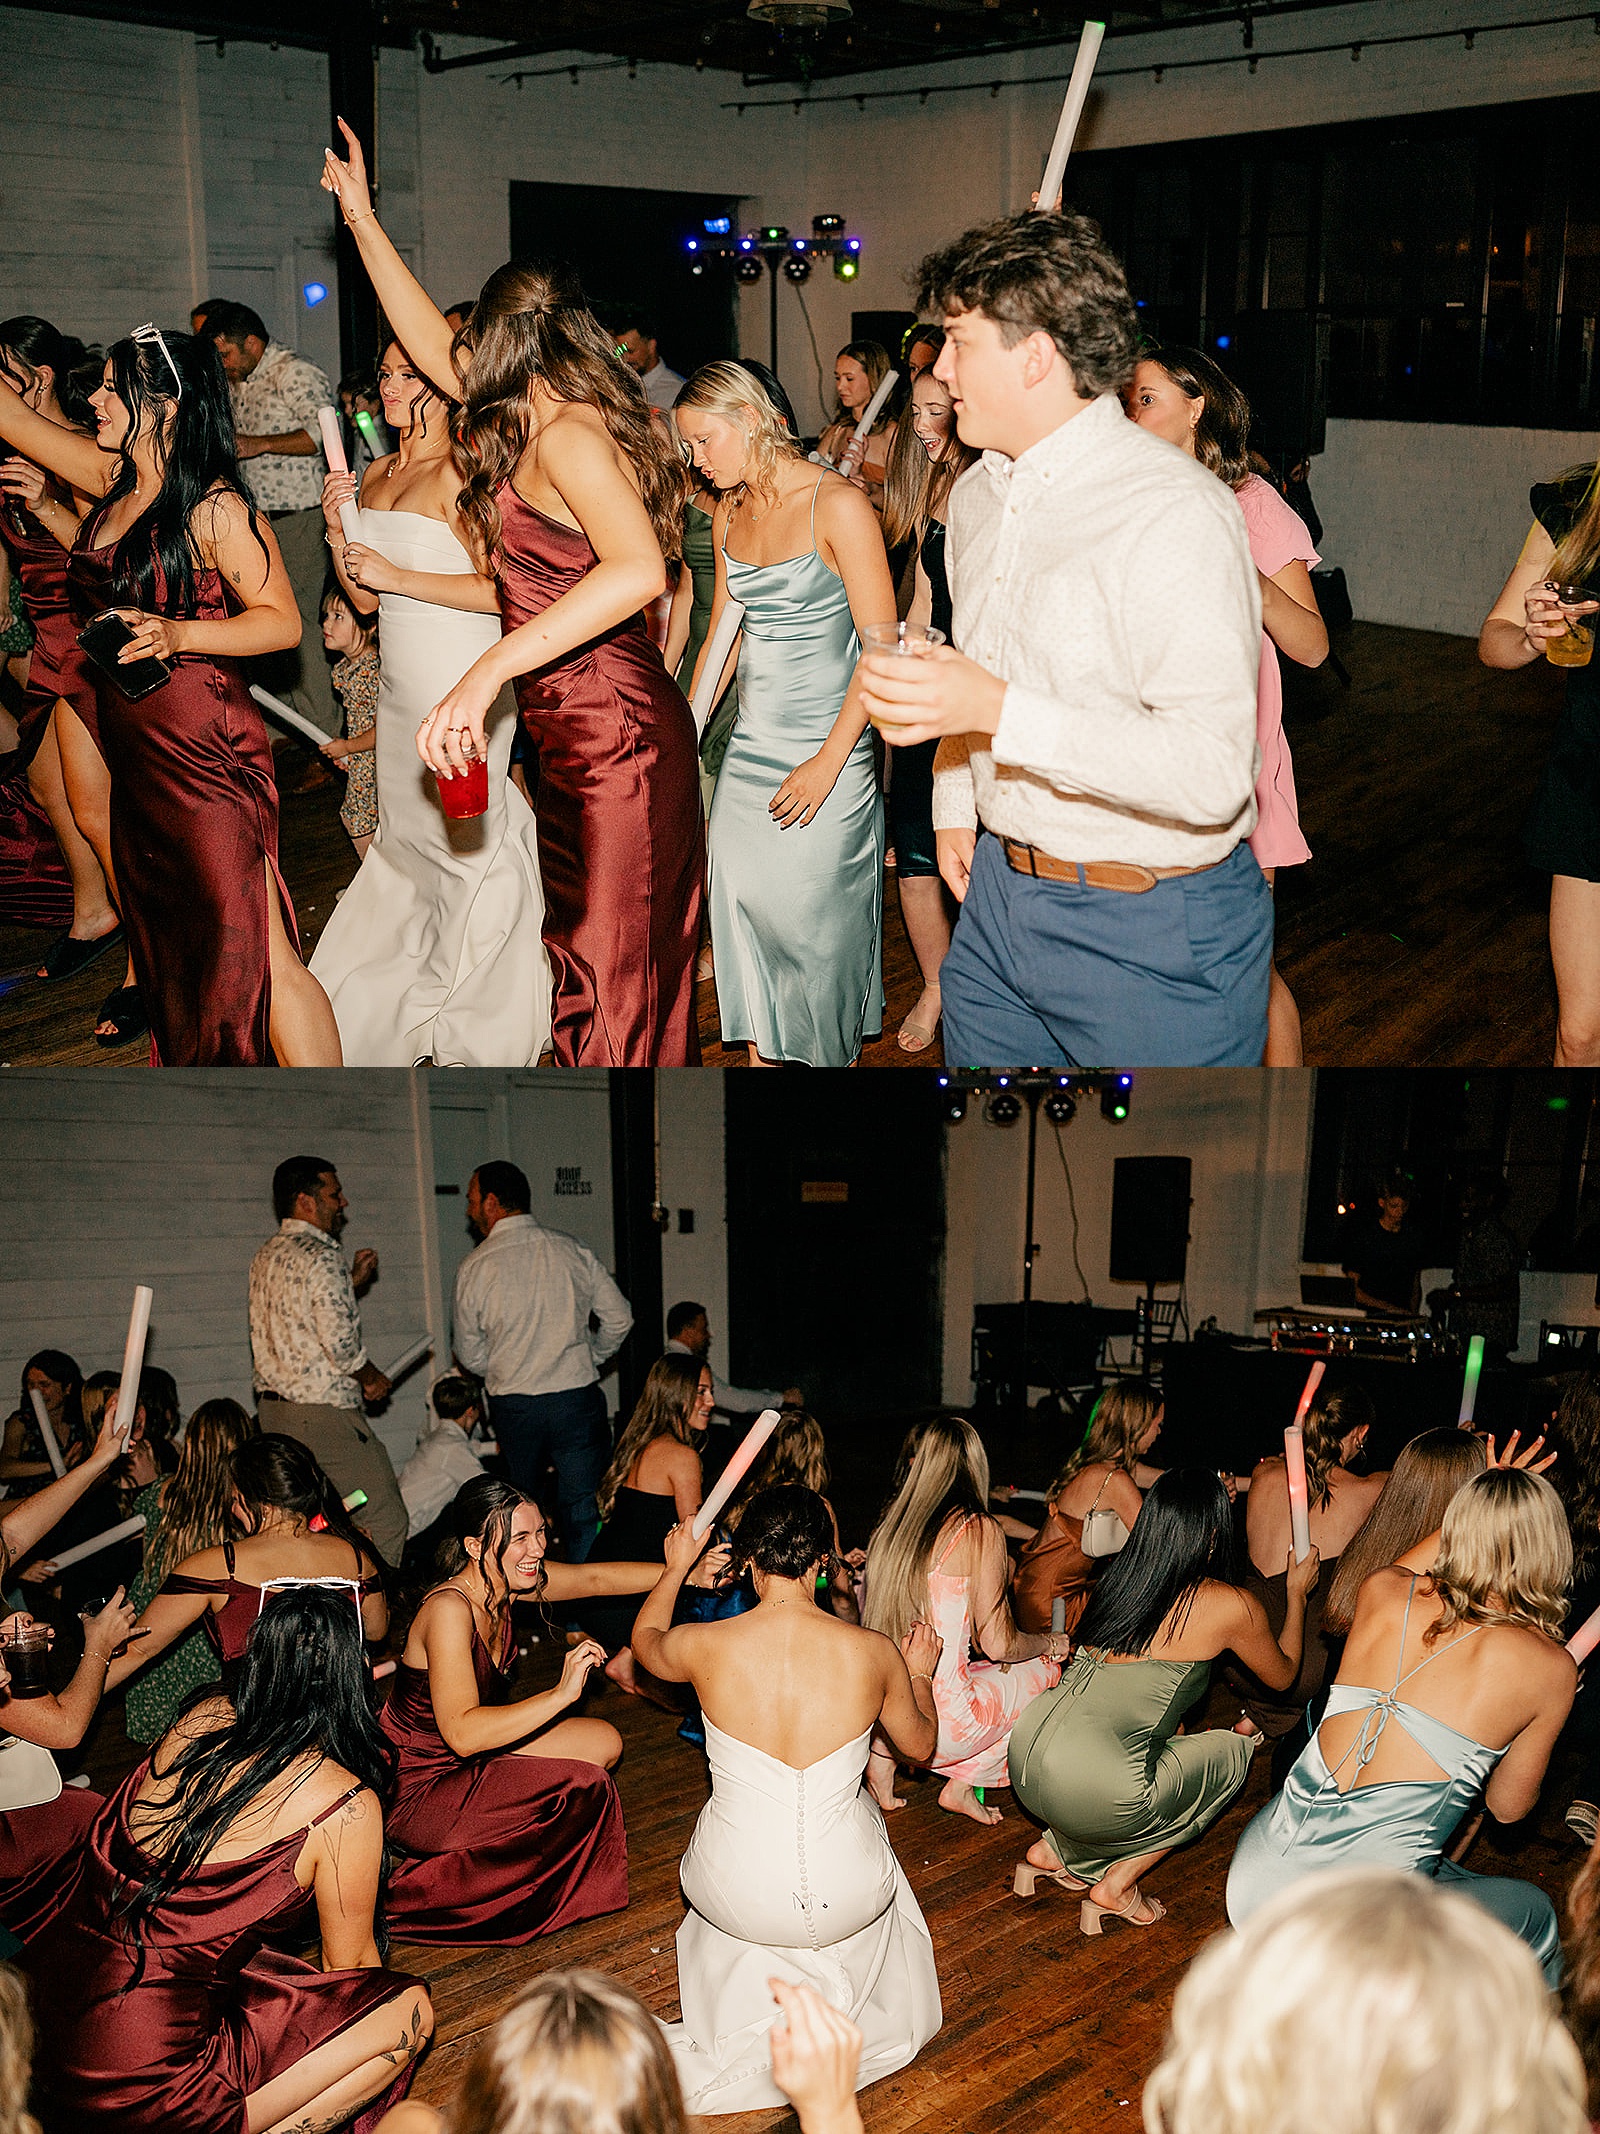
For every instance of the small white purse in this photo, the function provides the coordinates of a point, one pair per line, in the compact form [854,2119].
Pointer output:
[28,1774]
[1103,1531]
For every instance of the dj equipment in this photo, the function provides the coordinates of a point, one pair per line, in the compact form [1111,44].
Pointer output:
[1150,1219]
[1307,1331]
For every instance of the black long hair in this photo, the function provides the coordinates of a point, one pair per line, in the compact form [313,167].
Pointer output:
[277,1471]
[1182,1536]
[303,1689]
[33,344]
[62,1370]
[154,564]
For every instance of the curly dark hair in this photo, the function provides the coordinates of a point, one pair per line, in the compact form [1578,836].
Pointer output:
[784,1531]
[1051,274]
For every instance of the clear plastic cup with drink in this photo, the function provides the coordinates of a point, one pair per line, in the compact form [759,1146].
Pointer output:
[900,640]
[25,1650]
[1575,646]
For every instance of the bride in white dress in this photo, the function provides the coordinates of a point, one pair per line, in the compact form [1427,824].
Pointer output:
[434,951]
[790,1873]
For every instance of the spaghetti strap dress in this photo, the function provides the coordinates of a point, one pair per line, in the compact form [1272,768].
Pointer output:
[194,827]
[621,839]
[169,2033]
[1404,1823]
[1101,1763]
[229,1626]
[796,914]
[495,1850]
[1052,1567]
[978,1701]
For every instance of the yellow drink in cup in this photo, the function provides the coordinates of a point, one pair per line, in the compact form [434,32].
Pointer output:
[1575,647]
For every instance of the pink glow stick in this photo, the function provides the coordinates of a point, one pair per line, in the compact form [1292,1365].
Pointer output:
[734,1473]
[1585,1638]
[1313,1380]
[333,453]
[1294,1460]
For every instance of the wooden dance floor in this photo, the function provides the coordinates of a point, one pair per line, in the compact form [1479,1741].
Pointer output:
[1415,937]
[1044,2032]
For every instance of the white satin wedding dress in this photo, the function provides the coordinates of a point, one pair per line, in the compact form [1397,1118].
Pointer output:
[790,1874]
[434,950]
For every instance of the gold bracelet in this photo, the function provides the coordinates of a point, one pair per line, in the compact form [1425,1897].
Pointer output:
[922,1678]
[365,212]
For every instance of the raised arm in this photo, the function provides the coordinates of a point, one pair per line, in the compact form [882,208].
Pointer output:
[414,318]
[663,1649]
[994,1627]
[24,1524]
[1245,1631]
[76,458]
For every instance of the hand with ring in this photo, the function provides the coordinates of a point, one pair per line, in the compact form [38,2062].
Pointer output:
[452,735]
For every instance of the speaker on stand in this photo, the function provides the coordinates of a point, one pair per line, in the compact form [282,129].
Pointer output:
[1150,1201]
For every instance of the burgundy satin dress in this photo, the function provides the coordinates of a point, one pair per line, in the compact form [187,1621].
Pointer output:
[494,1850]
[216,2010]
[229,1626]
[621,836]
[36,1848]
[194,820]
[35,888]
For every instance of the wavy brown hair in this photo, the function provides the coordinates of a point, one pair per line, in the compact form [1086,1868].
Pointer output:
[531,324]
[196,1501]
[1329,1421]
[1117,1422]
[1411,1506]
[1222,435]
[665,1406]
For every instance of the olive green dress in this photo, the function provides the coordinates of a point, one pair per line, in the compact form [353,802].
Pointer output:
[155,1694]
[1095,1760]
[700,561]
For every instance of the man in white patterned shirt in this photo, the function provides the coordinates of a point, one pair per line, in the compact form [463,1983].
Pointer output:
[312,1375]
[1098,721]
[276,395]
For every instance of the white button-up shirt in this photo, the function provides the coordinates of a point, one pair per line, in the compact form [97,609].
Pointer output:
[523,1302]
[1105,577]
[305,1331]
[443,1462]
[662,385]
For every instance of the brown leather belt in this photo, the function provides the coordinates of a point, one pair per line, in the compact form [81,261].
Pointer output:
[1122,875]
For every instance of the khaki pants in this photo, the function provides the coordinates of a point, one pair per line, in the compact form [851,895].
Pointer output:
[352,1457]
[303,677]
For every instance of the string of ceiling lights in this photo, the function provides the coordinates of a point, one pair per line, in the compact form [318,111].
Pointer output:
[1249,59]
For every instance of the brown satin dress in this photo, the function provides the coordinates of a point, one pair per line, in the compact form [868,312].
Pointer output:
[498,1849]
[174,2045]
[1052,1567]
[621,837]
[194,822]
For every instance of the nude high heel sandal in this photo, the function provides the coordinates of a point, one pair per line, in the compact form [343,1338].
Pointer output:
[1092,1917]
[1026,1880]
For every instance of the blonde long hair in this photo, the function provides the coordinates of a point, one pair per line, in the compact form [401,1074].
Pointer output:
[1578,552]
[1117,1422]
[1505,1555]
[575,2049]
[1367,2001]
[729,390]
[16,2054]
[943,1471]
[196,1502]
[532,325]
[665,1406]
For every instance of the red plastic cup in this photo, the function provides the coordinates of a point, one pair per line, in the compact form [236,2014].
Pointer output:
[466,795]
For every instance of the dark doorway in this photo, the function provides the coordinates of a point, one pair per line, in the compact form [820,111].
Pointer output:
[626,245]
[836,1240]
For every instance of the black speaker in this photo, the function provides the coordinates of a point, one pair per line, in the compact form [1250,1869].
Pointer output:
[1150,1219]
[1280,358]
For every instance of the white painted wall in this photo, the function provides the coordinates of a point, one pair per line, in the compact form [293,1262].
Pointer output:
[694,1176]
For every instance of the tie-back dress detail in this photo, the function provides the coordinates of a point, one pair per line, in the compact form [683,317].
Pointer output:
[194,827]
[621,840]
[1101,1763]
[1404,1823]
[497,1849]
[796,914]
[434,950]
[217,2009]
[790,1874]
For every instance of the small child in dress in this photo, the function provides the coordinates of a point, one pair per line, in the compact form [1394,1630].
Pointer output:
[355,679]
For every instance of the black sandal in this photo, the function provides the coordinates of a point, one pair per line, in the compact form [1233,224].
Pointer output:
[125,1011]
[65,958]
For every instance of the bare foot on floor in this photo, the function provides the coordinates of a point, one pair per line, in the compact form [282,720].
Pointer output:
[888,1802]
[961,1800]
[619,1669]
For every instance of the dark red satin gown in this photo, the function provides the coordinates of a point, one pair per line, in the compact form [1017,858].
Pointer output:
[35,889]
[229,1626]
[218,2009]
[37,1847]
[499,1849]
[194,821]
[621,837]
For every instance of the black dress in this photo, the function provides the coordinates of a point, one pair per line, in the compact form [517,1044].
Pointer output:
[911,787]
[636,1532]
[1562,833]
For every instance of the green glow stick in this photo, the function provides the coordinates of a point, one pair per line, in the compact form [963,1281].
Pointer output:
[1469,1381]
[368,429]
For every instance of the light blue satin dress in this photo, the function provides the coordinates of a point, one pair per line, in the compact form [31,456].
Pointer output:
[796,915]
[1405,1823]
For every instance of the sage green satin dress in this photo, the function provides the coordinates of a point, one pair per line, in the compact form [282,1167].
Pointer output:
[797,914]
[1100,1762]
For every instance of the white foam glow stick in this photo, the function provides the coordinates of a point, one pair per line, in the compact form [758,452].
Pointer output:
[333,453]
[1585,1638]
[1058,1616]
[1072,104]
[1294,1460]
[133,1361]
[414,1354]
[856,450]
[734,1473]
[276,708]
[704,700]
[113,1534]
[47,1431]
[1032,1496]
